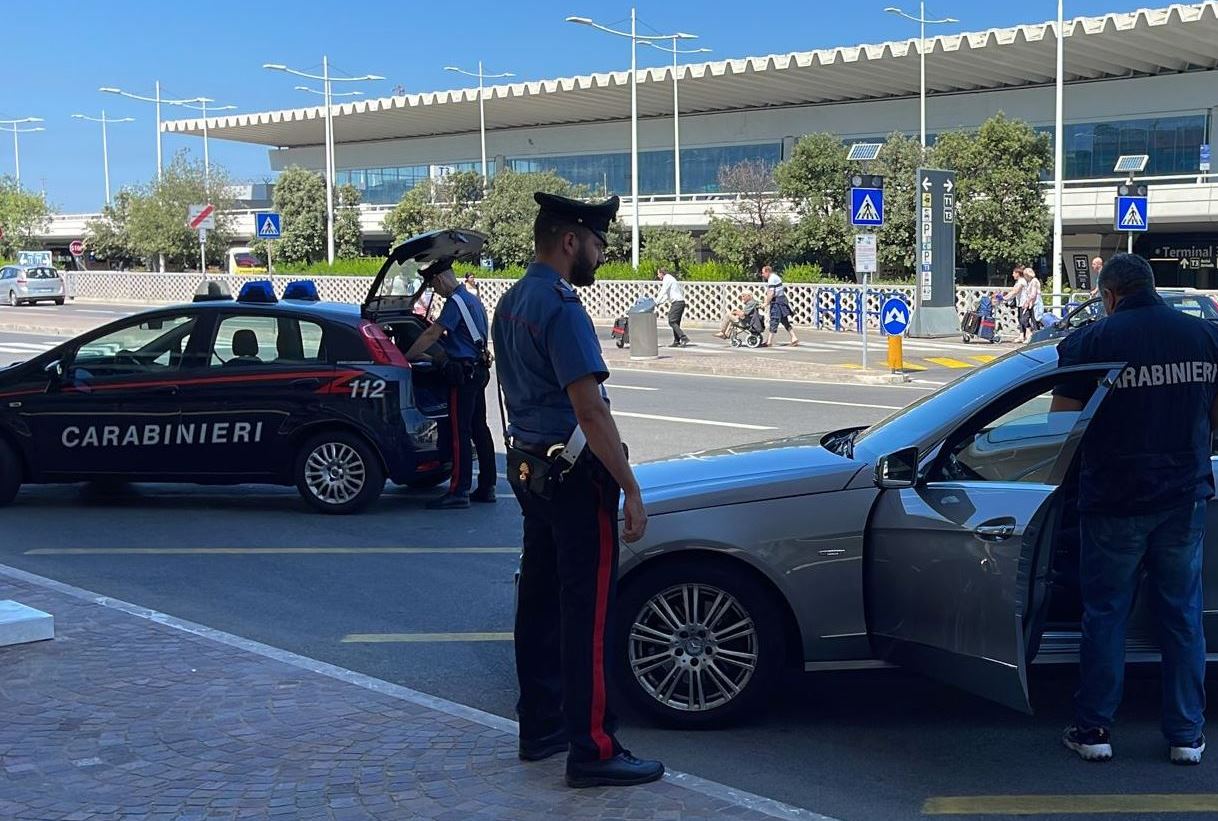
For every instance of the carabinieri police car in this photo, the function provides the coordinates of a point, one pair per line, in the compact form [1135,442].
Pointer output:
[252,390]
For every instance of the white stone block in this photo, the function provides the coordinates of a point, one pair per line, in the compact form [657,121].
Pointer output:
[20,624]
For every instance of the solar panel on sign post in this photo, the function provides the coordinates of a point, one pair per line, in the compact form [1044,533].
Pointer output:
[1131,163]
[864,152]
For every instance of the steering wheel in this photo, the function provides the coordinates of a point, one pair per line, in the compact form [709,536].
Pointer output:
[125,357]
[956,471]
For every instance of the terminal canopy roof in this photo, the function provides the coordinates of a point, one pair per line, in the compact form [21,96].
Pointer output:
[1142,43]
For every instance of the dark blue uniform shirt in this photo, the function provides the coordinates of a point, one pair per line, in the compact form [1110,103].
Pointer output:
[458,343]
[1148,448]
[544,341]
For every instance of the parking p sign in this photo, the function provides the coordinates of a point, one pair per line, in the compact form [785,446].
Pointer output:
[267,225]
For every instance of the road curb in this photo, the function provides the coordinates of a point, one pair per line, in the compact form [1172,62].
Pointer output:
[763,369]
[41,330]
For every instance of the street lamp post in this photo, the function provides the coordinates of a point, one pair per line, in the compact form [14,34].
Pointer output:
[202,106]
[922,23]
[1058,170]
[158,99]
[328,95]
[676,110]
[635,39]
[481,110]
[13,126]
[105,148]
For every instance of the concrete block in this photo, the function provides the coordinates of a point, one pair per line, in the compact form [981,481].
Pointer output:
[20,624]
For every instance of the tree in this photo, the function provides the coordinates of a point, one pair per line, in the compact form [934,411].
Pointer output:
[414,214]
[1001,214]
[156,214]
[23,214]
[509,210]
[300,197]
[754,231]
[348,236]
[897,240]
[816,180]
[669,246]
[460,197]
[109,238]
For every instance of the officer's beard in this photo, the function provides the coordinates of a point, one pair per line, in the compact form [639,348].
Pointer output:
[583,270]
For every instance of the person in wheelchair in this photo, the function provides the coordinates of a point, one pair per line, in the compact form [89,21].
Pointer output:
[748,329]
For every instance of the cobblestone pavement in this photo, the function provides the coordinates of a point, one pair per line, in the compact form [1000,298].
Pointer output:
[131,714]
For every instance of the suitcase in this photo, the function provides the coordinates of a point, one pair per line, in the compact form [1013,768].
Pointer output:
[970,323]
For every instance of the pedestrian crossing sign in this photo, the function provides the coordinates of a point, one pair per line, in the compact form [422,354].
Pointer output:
[1132,214]
[867,206]
[267,224]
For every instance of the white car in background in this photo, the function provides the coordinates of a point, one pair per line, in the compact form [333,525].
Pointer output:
[30,284]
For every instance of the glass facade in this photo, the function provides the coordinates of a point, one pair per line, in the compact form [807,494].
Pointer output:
[387,186]
[1173,143]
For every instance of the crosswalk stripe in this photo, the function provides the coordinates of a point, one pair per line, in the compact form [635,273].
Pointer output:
[30,346]
[984,358]
[948,362]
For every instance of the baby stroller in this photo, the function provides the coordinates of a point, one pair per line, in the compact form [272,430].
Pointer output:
[979,324]
[747,330]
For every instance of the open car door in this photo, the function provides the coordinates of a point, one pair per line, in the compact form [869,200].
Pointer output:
[959,545]
[400,281]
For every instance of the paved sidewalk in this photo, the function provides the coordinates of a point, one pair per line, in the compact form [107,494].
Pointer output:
[129,713]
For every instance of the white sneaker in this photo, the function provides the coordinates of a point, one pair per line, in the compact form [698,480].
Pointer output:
[1190,754]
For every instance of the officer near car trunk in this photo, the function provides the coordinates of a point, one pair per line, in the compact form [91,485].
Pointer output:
[461,331]
[567,466]
[1144,482]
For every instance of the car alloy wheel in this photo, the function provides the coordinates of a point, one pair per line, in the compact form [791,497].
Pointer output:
[693,647]
[335,473]
[12,299]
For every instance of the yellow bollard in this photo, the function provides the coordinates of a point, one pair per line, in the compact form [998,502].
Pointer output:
[896,360]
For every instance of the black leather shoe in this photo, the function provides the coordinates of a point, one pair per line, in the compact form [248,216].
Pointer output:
[539,749]
[485,495]
[449,501]
[623,770]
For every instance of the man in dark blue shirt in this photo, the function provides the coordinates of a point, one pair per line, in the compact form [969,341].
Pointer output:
[462,332]
[1143,485]
[550,366]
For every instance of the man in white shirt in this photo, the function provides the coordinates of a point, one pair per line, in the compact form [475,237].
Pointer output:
[672,294]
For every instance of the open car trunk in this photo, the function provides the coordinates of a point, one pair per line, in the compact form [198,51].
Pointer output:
[402,278]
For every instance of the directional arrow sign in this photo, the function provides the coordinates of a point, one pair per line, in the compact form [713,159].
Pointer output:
[894,316]
[926,184]
[201,216]
[949,185]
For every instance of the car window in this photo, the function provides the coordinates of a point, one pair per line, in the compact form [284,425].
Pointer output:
[143,347]
[1016,439]
[42,273]
[267,340]
[1200,307]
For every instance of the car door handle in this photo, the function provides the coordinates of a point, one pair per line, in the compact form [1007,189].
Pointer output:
[307,382]
[995,533]
[165,390]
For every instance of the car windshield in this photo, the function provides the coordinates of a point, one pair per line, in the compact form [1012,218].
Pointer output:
[1198,305]
[910,425]
[41,273]
[402,279]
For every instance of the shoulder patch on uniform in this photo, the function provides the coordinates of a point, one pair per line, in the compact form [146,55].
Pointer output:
[566,292]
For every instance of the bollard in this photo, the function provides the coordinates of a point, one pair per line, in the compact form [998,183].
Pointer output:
[896,360]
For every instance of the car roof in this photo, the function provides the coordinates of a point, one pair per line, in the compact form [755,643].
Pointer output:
[340,311]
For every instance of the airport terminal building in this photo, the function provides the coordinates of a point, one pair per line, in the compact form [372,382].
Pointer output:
[1138,83]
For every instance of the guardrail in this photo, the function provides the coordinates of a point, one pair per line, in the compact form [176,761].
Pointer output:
[842,308]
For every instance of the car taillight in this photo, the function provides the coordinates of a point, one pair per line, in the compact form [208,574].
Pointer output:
[380,347]
[21,279]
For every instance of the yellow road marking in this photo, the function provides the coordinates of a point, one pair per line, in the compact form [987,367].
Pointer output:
[388,638]
[984,358]
[852,365]
[948,362]
[1070,804]
[253,551]
[910,366]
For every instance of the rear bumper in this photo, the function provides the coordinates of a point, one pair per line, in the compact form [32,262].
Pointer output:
[417,449]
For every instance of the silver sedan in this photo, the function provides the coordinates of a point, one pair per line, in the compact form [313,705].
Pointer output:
[943,539]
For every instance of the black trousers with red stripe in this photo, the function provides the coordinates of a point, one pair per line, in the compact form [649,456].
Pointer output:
[568,580]
[467,424]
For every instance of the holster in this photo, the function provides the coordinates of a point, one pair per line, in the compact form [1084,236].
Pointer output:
[537,476]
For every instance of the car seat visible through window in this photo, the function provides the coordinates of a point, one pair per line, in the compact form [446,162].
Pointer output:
[245,348]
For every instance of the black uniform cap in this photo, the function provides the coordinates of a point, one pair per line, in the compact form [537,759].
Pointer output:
[594,216]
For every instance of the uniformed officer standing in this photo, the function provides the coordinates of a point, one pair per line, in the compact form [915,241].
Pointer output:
[1143,486]
[462,333]
[567,466]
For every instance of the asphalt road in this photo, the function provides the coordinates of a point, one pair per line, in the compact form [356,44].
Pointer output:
[862,745]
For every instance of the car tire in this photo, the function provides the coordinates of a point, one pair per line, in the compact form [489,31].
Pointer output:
[337,472]
[13,302]
[59,301]
[746,598]
[10,473]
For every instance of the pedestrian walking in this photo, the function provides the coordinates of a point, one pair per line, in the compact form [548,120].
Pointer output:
[461,330]
[1143,485]
[568,468]
[673,295]
[779,307]
[471,285]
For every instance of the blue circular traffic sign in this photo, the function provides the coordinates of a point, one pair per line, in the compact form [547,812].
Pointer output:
[894,316]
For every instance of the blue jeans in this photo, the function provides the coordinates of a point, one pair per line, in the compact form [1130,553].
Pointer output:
[1114,550]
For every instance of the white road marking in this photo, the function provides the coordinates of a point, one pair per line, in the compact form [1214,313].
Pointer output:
[658,418]
[629,387]
[107,313]
[19,347]
[883,385]
[829,402]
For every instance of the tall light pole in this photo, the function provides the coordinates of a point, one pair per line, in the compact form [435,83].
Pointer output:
[14,126]
[1058,160]
[104,120]
[158,99]
[486,175]
[635,39]
[922,23]
[327,93]
[676,109]
[202,106]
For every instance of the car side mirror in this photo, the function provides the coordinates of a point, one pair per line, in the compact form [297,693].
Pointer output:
[55,369]
[897,470]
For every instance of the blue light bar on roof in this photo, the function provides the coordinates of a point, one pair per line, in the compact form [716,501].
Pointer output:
[304,290]
[259,291]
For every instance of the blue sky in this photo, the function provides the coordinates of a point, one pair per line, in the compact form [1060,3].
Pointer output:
[57,54]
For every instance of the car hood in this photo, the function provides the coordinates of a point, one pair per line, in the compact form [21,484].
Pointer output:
[765,470]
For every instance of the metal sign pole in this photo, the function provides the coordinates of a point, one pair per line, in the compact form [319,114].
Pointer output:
[863,312]
[202,251]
